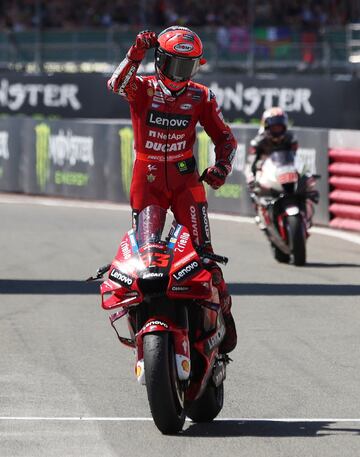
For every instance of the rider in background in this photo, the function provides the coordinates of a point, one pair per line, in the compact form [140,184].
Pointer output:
[165,109]
[273,135]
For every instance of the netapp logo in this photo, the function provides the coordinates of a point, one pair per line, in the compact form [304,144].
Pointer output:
[170,121]
[186,271]
[121,278]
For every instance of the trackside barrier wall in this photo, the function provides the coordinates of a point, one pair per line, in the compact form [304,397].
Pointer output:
[344,179]
[93,160]
[242,99]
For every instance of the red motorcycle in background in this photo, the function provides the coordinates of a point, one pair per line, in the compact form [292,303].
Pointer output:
[174,318]
[284,201]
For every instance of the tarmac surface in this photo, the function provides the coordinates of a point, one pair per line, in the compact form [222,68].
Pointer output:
[67,386]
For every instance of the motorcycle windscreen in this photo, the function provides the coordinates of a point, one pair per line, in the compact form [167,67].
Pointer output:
[150,225]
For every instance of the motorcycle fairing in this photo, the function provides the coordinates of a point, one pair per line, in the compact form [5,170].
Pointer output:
[277,170]
[188,278]
[176,259]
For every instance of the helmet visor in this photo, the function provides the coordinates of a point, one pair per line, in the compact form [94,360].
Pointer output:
[176,68]
[277,129]
[276,125]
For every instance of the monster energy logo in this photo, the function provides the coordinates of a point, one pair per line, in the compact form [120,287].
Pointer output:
[126,157]
[42,154]
[63,149]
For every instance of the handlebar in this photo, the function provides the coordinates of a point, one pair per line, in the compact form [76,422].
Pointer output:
[99,273]
[215,257]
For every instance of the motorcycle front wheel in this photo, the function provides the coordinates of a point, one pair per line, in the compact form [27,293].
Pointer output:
[162,385]
[208,406]
[279,255]
[297,239]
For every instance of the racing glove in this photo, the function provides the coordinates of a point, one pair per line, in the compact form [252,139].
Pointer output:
[216,175]
[144,41]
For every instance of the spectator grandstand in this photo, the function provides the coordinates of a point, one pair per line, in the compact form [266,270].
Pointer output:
[20,15]
[249,36]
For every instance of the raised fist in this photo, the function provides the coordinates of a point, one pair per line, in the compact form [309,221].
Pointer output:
[146,40]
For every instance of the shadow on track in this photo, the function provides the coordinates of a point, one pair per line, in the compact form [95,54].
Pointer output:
[331,265]
[266,428]
[294,289]
[48,287]
[78,287]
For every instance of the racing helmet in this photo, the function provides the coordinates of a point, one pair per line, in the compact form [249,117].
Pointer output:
[178,56]
[274,122]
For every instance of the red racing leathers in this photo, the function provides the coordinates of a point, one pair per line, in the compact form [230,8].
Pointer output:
[165,170]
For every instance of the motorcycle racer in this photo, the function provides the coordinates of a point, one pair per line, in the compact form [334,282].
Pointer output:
[165,109]
[274,135]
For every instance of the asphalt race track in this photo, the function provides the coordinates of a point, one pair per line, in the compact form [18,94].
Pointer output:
[67,387]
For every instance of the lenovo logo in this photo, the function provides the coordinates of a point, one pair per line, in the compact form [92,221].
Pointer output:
[121,278]
[187,271]
[168,121]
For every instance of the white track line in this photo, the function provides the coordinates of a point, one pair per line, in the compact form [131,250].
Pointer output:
[59,202]
[148,419]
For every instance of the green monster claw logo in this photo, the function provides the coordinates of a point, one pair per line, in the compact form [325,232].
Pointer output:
[203,151]
[42,154]
[126,154]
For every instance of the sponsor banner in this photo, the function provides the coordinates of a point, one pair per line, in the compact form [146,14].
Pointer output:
[241,98]
[11,155]
[65,158]
[312,156]
[94,161]
[305,99]
[58,95]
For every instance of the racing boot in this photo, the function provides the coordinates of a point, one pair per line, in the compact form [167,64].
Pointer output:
[228,344]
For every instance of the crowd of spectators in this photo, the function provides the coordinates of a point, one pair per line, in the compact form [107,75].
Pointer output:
[17,15]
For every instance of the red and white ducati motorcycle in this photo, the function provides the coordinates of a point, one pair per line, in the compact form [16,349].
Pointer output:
[174,318]
[283,199]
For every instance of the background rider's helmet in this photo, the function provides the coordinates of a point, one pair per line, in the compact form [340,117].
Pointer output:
[274,123]
[178,56]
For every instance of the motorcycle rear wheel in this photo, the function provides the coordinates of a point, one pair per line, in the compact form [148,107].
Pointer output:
[297,239]
[208,406]
[162,385]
